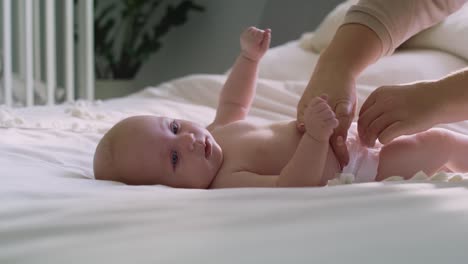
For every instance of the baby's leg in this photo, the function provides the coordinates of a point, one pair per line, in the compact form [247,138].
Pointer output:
[428,151]
[458,161]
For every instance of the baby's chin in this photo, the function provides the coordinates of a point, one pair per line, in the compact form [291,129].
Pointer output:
[202,182]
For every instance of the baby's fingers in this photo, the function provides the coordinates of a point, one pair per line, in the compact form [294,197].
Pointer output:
[332,122]
[265,44]
[320,107]
[317,100]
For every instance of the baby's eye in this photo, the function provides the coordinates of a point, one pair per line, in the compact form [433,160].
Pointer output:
[174,127]
[174,158]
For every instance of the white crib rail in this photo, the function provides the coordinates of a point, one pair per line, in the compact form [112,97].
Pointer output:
[69,67]
[29,51]
[50,50]
[86,49]
[7,25]
[27,46]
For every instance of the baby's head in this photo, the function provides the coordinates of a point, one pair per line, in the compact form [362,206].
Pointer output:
[148,150]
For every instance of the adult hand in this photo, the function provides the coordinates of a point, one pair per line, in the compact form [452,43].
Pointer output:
[393,111]
[351,50]
[341,93]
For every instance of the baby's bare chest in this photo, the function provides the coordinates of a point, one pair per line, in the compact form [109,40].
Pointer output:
[260,149]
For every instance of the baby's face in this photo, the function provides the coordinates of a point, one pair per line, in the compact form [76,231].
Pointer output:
[176,153]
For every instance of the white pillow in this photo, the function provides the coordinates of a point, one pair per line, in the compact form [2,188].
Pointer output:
[450,35]
[319,39]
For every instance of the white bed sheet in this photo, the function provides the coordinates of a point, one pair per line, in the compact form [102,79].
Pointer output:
[52,211]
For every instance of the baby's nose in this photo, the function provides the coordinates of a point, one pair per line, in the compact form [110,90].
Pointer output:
[188,139]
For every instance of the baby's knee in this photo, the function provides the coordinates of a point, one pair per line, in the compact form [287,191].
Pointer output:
[434,135]
[408,154]
[436,139]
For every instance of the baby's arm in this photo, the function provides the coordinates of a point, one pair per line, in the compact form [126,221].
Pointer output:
[238,91]
[307,164]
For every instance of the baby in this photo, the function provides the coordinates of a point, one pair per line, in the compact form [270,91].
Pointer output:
[231,152]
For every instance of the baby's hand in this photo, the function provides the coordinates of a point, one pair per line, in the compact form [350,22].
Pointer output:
[319,119]
[255,42]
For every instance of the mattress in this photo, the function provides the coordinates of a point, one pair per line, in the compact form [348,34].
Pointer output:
[53,211]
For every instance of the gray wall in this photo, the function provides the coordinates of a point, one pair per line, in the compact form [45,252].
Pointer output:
[206,44]
[289,19]
[209,42]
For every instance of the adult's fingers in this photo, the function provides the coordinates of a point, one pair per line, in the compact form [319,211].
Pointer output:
[376,128]
[344,113]
[399,128]
[340,149]
[338,138]
[300,127]
[370,100]
[391,132]
[344,110]
[301,106]
[366,118]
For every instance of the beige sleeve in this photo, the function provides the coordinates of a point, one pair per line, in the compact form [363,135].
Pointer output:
[395,21]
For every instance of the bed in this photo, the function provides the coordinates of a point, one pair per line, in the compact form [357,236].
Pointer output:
[53,211]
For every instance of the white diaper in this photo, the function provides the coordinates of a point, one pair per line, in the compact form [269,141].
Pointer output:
[363,161]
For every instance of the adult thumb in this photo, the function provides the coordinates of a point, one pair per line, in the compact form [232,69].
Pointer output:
[344,113]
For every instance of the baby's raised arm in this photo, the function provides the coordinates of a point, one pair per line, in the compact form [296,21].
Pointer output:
[239,90]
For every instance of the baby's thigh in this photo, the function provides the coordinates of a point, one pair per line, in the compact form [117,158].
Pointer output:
[405,156]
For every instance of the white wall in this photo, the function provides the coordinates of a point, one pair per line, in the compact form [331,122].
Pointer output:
[289,19]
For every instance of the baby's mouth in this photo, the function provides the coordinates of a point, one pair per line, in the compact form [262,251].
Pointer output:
[207,148]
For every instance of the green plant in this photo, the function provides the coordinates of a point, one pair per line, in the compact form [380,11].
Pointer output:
[127,32]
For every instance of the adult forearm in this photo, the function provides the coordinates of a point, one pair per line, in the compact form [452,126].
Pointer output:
[353,48]
[453,93]
[307,164]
